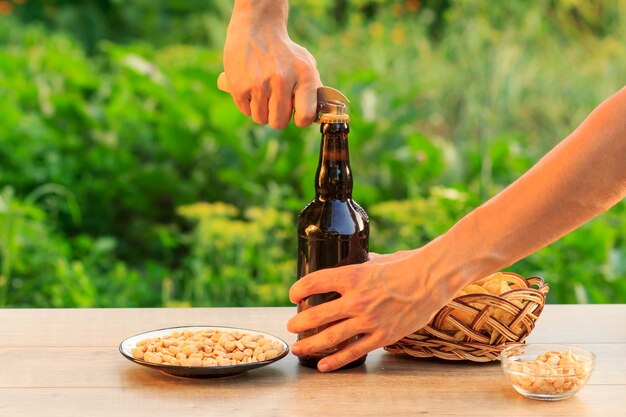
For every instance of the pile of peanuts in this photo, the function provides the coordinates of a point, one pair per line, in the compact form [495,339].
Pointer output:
[552,372]
[209,347]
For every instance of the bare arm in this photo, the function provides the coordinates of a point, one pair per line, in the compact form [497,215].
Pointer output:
[581,177]
[393,295]
[267,74]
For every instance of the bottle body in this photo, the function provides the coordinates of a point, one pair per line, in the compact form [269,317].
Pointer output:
[333,230]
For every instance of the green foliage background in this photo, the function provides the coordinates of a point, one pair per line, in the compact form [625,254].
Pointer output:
[127,179]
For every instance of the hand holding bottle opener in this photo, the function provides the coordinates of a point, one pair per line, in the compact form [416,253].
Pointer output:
[329,100]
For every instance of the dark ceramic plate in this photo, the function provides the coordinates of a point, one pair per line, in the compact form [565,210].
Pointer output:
[199,371]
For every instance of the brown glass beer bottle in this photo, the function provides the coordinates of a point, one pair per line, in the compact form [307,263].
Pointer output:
[333,230]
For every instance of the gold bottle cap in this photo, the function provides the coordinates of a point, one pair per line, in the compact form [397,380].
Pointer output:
[332,112]
[333,118]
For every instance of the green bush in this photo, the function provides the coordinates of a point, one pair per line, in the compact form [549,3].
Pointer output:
[118,153]
[237,260]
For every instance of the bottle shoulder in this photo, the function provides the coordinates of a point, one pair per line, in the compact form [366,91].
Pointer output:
[360,210]
[338,217]
[332,206]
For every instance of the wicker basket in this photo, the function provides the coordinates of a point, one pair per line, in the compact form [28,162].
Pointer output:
[477,327]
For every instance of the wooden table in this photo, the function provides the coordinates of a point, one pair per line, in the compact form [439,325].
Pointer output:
[66,363]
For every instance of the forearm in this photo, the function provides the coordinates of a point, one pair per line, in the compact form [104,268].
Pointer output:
[254,12]
[580,178]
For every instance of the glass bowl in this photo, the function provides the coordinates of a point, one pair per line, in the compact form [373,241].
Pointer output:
[547,372]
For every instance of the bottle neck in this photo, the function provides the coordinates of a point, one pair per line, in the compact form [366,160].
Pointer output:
[333,179]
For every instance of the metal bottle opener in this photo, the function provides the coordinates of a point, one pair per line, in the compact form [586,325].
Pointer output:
[330,101]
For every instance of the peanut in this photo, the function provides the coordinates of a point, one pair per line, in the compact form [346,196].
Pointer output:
[189,349]
[209,347]
[137,353]
[552,372]
[270,354]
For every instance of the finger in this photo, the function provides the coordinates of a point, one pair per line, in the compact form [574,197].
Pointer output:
[242,102]
[318,282]
[259,108]
[305,104]
[280,104]
[316,316]
[327,338]
[222,83]
[240,97]
[373,255]
[350,353]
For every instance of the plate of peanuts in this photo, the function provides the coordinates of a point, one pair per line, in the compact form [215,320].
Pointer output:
[203,351]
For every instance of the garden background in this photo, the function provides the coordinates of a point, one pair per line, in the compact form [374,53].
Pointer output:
[127,179]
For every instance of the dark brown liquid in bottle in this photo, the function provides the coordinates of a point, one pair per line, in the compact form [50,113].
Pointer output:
[333,230]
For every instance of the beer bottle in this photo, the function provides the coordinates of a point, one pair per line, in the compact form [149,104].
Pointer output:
[333,230]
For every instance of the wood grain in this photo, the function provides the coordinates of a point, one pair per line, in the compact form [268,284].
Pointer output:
[66,363]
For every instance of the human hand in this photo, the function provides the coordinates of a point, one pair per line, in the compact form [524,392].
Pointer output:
[267,74]
[383,300]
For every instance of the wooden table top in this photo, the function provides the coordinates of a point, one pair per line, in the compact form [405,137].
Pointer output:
[65,362]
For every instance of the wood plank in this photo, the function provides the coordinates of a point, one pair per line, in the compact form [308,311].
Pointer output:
[489,399]
[75,367]
[66,362]
[75,327]
[108,327]
[581,323]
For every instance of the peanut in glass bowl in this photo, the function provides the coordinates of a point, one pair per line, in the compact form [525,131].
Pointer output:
[548,372]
